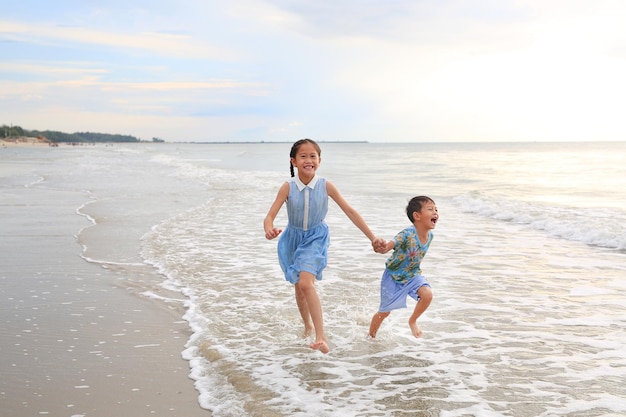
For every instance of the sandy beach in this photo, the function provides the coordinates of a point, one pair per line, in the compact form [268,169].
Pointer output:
[24,141]
[76,339]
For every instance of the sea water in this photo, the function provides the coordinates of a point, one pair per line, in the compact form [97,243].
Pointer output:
[528,269]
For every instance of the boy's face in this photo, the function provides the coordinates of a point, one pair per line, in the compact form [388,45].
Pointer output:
[427,217]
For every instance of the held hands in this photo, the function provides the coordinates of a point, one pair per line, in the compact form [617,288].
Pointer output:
[379,245]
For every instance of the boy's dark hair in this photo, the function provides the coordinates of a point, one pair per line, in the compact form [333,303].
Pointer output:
[416,205]
[296,146]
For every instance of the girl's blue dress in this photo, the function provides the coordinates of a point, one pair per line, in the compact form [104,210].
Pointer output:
[303,245]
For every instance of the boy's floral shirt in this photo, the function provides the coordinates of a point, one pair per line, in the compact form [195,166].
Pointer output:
[408,252]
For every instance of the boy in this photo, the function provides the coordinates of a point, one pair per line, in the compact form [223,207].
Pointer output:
[402,276]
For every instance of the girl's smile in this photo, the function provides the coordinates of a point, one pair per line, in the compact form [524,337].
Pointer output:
[307,160]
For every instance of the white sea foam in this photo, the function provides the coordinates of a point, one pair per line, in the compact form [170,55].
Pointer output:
[526,320]
[604,227]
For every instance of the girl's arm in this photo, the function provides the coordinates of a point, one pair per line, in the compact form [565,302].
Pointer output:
[352,214]
[268,224]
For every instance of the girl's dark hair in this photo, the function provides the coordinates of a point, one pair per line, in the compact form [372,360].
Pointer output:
[416,205]
[296,146]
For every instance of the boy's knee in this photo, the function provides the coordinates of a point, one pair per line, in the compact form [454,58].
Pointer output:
[425,293]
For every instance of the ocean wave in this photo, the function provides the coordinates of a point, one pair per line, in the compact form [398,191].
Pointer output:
[201,171]
[597,226]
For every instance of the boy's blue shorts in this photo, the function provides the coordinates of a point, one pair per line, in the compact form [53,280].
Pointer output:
[393,294]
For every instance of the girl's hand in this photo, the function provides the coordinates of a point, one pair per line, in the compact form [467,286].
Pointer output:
[272,233]
[379,245]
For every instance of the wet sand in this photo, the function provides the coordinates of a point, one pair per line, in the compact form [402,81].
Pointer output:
[75,339]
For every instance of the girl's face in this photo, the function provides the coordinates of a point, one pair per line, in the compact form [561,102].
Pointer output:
[307,160]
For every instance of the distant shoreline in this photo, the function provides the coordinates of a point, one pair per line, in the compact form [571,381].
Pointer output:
[269,142]
[24,141]
[32,141]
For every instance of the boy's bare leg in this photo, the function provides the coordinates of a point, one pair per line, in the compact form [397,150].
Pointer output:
[377,320]
[307,287]
[425,297]
[304,312]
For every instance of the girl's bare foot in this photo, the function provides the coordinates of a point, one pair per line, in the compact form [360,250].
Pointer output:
[322,346]
[417,332]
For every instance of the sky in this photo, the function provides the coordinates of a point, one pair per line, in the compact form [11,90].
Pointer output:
[281,70]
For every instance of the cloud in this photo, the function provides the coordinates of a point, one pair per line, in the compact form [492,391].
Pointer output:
[168,44]
[395,71]
[395,20]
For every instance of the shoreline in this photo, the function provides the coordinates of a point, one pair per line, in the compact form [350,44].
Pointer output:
[24,142]
[78,338]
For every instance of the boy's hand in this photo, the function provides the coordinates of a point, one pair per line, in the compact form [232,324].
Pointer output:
[379,245]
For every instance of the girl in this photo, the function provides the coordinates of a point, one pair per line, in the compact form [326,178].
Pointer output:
[302,248]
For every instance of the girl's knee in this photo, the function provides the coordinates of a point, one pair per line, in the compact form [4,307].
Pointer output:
[306,282]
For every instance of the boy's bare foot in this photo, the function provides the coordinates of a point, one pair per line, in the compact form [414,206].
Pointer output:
[417,332]
[321,346]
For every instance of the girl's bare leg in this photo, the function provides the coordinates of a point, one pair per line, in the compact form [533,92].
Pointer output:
[377,320]
[425,297]
[307,287]
[304,312]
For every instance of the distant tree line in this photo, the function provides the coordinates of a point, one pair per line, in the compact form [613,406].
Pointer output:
[12,131]
[54,136]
